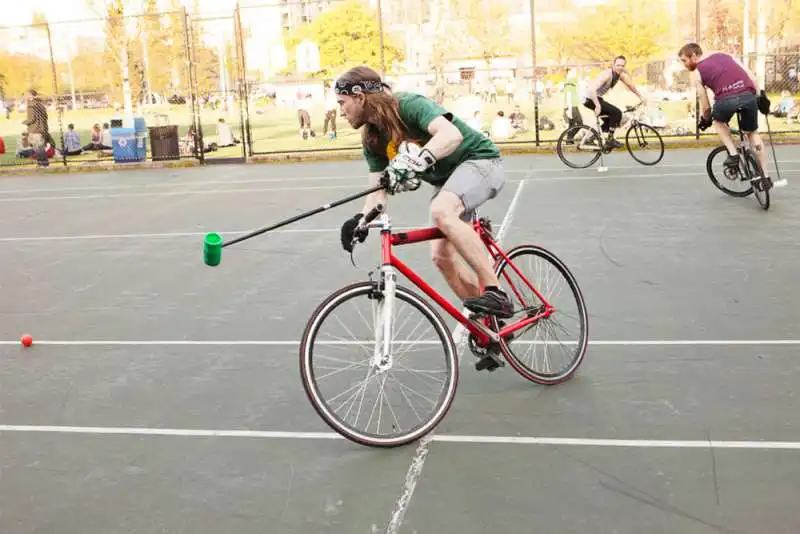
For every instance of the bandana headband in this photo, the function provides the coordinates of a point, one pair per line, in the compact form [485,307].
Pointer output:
[344,87]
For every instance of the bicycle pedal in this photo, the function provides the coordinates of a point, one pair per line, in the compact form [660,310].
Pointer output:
[489,364]
[491,361]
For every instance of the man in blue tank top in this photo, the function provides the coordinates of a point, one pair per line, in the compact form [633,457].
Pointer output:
[734,90]
[602,85]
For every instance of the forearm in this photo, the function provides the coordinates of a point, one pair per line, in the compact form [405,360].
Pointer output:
[444,143]
[705,104]
[594,98]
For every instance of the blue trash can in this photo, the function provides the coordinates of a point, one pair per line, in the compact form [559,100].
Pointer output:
[123,144]
[130,144]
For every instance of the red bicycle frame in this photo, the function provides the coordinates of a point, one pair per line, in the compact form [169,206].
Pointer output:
[483,336]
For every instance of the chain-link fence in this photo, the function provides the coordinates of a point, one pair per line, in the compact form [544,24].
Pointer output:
[255,80]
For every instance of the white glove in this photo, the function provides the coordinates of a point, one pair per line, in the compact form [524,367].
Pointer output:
[408,166]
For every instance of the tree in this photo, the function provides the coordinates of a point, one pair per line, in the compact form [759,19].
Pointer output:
[487,24]
[347,35]
[117,51]
[637,30]
[722,25]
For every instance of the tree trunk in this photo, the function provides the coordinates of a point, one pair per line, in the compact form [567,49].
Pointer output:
[126,83]
[761,44]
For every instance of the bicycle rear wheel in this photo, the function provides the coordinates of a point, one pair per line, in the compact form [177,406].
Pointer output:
[760,191]
[731,182]
[549,334]
[644,144]
[579,146]
[350,390]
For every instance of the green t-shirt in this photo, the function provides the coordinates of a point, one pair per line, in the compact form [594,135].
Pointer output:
[417,112]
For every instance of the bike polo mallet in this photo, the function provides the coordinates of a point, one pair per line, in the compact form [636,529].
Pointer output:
[769,132]
[213,242]
[602,167]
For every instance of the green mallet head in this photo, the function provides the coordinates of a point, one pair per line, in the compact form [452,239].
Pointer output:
[212,249]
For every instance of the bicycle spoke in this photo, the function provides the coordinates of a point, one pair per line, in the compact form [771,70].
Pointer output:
[558,356]
[386,403]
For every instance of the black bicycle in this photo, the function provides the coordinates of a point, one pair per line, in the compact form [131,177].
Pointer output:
[746,178]
[643,142]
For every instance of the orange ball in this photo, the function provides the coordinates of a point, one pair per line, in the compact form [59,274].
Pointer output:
[27,340]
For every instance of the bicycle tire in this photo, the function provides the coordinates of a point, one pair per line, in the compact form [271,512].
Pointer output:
[719,185]
[641,128]
[311,388]
[754,169]
[583,341]
[575,130]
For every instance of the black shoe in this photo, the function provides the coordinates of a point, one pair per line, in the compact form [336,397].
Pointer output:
[487,363]
[613,143]
[492,302]
[732,162]
[762,183]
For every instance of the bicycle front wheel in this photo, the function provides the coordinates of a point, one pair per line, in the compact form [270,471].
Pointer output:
[754,170]
[644,144]
[550,350]
[359,395]
[579,147]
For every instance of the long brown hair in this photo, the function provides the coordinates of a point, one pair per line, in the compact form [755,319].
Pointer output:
[383,110]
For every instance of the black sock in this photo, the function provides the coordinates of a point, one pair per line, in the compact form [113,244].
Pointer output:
[495,289]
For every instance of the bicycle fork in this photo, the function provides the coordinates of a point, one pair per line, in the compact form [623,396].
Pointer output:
[383,321]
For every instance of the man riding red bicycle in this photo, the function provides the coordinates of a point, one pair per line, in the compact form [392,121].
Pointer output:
[463,166]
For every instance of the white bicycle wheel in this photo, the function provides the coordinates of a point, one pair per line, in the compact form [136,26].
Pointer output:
[347,385]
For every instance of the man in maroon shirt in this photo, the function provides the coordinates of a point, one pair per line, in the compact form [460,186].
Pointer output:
[734,89]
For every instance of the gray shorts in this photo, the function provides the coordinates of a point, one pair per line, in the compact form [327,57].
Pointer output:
[475,181]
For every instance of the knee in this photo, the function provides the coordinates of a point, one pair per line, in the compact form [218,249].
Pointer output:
[442,256]
[446,211]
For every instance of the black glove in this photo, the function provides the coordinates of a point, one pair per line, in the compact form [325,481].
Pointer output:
[704,123]
[763,103]
[348,232]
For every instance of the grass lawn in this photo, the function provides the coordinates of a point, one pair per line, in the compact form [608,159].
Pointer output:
[276,128]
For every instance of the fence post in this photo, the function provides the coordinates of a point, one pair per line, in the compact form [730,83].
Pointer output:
[55,93]
[533,75]
[190,64]
[244,93]
[380,36]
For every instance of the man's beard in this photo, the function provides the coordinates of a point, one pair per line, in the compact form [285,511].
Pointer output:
[358,121]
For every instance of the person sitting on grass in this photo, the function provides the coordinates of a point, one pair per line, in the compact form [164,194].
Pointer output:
[72,142]
[24,146]
[225,137]
[96,142]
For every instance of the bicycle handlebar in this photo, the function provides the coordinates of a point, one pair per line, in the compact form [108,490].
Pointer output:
[373,214]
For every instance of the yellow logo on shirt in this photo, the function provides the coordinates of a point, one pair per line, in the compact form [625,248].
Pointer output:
[391,150]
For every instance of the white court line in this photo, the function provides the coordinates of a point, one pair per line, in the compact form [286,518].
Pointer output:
[290,343]
[176,184]
[179,234]
[276,179]
[177,193]
[586,175]
[417,463]
[444,438]
[627,176]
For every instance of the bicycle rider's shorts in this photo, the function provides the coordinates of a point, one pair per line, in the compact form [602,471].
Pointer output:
[725,109]
[475,181]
